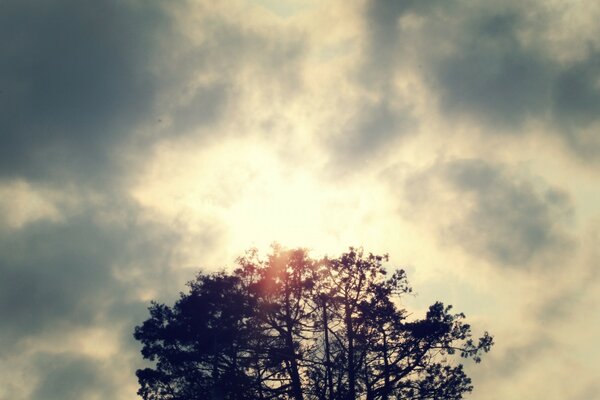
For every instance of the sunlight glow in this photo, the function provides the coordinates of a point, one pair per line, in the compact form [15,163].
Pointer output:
[255,199]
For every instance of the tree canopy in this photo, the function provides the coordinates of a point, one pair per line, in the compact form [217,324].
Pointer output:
[292,327]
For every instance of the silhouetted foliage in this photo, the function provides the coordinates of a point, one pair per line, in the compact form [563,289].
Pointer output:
[290,327]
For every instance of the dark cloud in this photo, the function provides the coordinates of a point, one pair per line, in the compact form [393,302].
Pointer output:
[55,274]
[75,81]
[205,107]
[492,75]
[382,41]
[88,271]
[569,297]
[72,377]
[491,212]
[375,125]
[61,275]
[231,54]
[509,362]
[274,58]
[82,83]
[385,43]
[519,357]
[472,56]
[501,73]
[577,92]
[375,128]
[576,104]
[487,62]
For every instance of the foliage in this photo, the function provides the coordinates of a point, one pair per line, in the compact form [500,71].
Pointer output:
[291,327]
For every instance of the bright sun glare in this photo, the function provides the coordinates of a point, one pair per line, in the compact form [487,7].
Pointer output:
[244,189]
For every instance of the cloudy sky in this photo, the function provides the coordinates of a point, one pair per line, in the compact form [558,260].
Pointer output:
[142,140]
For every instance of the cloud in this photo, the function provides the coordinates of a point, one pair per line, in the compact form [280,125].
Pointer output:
[385,40]
[20,204]
[204,108]
[73,288]
[87,88]
[498,66]
[379,115]
[576,102]
[81,271]
[74,83]
[71,376]
[372,130]
[229,64]
[382,37]
[490,212]
[492,75]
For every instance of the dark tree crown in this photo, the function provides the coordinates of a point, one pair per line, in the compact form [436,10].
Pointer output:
[292,327]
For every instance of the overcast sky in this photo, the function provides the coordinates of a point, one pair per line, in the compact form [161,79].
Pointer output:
[143,140]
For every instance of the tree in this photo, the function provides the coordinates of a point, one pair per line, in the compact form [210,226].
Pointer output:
[291,327]
[200,345]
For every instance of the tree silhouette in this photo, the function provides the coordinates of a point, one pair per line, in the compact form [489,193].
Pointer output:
[291,327]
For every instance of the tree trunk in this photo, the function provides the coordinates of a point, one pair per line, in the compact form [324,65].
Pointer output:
[351,366]
[328,373]
[386,369]
[294,370]
[291,352]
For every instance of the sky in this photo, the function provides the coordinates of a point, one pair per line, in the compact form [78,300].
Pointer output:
[142,141]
